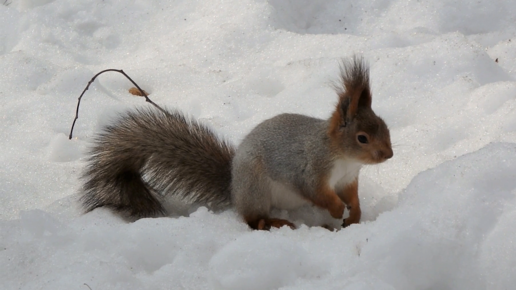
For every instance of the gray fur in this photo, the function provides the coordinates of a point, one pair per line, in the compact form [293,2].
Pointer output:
[295,159]
[148,155]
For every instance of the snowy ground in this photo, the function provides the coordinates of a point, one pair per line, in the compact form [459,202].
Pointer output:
[440,215]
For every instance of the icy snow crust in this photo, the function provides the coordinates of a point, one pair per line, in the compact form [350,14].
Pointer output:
[440,215]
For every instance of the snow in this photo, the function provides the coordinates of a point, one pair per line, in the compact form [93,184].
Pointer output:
[439,215]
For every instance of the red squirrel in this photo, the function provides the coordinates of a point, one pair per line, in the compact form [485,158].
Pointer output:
[285,162]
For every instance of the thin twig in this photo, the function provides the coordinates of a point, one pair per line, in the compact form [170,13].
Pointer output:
[93,79]
[87,286]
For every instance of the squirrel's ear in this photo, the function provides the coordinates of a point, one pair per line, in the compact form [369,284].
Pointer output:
[355,81]
[359,98]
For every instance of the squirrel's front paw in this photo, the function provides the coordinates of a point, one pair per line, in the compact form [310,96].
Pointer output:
[337,211]
[347,222]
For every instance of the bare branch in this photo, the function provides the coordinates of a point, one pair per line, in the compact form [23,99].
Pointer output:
[143,93]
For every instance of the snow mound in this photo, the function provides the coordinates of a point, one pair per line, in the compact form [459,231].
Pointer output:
[439,215]
[449,231]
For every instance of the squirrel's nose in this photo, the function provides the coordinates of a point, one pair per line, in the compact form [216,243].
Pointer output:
[387,154]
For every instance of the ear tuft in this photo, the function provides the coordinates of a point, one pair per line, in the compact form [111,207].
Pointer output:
[353,89]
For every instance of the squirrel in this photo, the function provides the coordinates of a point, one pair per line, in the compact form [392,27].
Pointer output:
[285,162]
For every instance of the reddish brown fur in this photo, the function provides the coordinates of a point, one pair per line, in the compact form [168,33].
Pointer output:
[326,198]
[349,195]
[335,123]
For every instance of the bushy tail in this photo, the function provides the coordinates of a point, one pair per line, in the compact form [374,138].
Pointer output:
[148,155]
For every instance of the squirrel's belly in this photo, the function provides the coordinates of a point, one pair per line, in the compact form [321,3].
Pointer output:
[284,197]
[343,173]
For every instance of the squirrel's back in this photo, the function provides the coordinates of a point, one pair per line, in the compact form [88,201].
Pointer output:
[278,164]
[287,143]
[148,154]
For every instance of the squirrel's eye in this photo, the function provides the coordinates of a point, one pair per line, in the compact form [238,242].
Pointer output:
[362,139]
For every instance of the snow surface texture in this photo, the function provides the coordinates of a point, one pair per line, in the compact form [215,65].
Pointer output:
[440,215]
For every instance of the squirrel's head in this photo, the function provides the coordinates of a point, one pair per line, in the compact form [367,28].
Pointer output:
[355,130]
